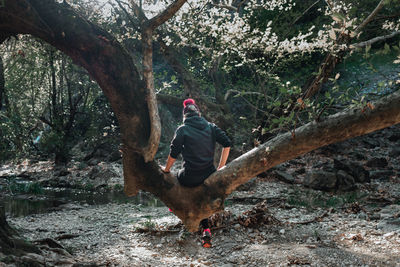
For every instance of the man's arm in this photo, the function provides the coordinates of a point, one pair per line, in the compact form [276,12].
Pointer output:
[170,162]
[224,157]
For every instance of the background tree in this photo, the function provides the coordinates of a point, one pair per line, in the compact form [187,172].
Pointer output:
[49,102]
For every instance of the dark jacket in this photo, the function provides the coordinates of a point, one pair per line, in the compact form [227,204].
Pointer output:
[195,139]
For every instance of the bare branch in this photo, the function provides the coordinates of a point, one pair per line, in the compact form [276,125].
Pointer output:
[388,17]
[165,15]
[375,40]
[305,12]
[370,17]
[134,24]
[241,3]
[138,12]
[237,92]
[148,27]
[230,8]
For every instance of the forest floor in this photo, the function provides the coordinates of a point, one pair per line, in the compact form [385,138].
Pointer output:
[130,235]
[267,222]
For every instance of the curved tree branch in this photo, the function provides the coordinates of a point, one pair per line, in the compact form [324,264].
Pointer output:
[148,27]
[170,11]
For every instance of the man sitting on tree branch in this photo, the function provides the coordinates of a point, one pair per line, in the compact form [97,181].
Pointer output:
[196,139]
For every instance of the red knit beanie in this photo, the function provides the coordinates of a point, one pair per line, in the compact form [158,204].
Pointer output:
[188,102]
[190,107]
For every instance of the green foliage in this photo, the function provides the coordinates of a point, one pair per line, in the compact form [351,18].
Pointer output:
[118,188]
[89,186]
[15,187]
[82,165]
[148,225]
[46,118]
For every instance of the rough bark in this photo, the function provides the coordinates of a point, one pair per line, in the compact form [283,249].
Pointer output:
[148,27]
[111,66]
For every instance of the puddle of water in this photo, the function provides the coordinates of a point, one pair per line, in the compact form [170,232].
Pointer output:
[53,199]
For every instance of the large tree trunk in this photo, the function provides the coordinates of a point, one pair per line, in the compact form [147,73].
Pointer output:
[113,69]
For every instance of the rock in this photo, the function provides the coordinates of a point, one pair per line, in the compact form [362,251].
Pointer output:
[394,152]
[377,162]
[390,211]
[327,166]
[33,259]
[374,216]
[300,171]
[93,162]
[114,156]
[321,180]
[362,216]
[61,172]
[358,155]
[382,175]
[389,225]
[340,165]
[358,172]
[389,221]
[285,177]
[371,142]
[345,182]
[94,172]
[394,137]
[251,184]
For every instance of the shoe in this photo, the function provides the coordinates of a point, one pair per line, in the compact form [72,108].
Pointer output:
[206,239]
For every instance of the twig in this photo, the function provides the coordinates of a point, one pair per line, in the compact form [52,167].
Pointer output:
[316,219]
[65,236]
[370,17]
[305,12]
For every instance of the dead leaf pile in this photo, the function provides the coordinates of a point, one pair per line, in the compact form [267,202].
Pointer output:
[257,216]
[220,219]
